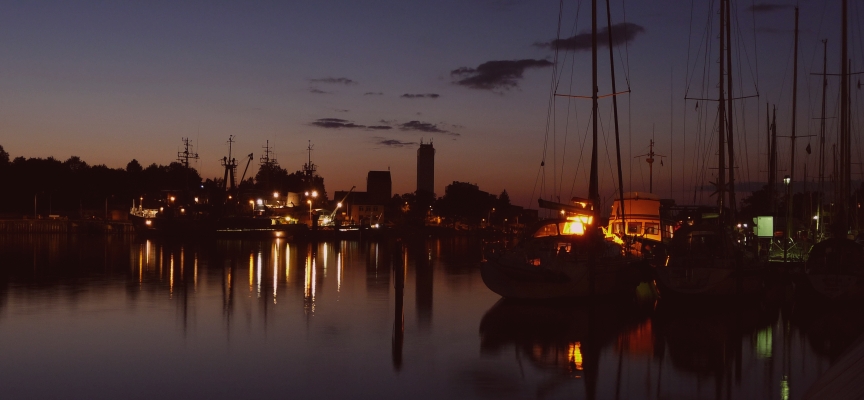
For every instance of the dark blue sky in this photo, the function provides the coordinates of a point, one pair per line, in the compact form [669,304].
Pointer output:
[365,81]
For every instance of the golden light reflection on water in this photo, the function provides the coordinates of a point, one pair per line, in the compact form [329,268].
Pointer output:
[195,274]
[251,273]
[462,307]
[339,271]
[258,268]
[275,251]
[309,282]
[171,277]
[574,355]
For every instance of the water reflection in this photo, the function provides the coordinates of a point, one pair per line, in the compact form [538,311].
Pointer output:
[564,339]
[249,318]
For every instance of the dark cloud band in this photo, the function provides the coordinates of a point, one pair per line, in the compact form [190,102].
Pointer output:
[492,75]
[621,33]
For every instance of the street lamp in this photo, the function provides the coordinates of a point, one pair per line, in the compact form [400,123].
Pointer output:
[787,180]
[310,211]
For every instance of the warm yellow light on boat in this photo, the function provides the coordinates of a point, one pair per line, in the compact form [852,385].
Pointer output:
[148,222]
[573,228]
[574,355]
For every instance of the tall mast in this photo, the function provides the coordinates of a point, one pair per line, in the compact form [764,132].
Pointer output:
[593,189]
[729,110]
[845,154]
[615,113]
[773,160]
[791,185]
[721,131]
[819,223]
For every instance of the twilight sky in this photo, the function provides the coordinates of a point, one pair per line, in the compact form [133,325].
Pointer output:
[366,81]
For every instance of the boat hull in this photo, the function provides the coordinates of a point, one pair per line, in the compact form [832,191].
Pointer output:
[578,279]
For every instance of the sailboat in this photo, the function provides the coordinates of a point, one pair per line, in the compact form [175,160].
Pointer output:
[566,256]
[706,258]
[834,269]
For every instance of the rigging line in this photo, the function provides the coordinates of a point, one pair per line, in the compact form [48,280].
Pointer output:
[739,42]
[581,154]
[534,189]
[557,181]
[626,47]
[560,181]
[608,157]
[741,123]
[755,49]
[706,33]
[553,84]
[689,45]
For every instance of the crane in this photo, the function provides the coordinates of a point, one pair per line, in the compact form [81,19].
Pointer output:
[247,168]
[339,204]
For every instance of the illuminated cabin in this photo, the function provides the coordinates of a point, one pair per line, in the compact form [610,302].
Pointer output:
[642,216]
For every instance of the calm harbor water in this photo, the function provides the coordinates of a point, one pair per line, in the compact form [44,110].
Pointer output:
[110,317]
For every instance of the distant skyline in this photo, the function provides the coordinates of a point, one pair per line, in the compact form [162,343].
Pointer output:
[110,82]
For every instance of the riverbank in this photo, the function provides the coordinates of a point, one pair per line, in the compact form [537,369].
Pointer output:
[66,226]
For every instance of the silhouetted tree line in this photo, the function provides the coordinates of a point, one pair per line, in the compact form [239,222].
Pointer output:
[271,177]
[462,203]
[74,188]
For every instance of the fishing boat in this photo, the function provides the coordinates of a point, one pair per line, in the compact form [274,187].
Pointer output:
[706,259]
[639,226]
[834,269]
[568,255]
[561,258]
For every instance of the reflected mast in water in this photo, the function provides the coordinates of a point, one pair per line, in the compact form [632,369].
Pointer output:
[399,309]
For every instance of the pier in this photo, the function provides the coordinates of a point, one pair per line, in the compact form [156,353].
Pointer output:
[66,226]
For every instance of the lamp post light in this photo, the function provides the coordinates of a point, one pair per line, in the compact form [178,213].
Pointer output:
[788,239]
[310,211]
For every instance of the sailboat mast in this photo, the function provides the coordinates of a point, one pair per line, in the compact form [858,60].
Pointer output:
[593,189]
[845,154]
[721,131]
[615,114]
[773,159]
[791,189]
[819,223]
[729,110]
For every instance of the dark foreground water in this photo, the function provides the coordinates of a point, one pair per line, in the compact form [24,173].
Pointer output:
[93,317]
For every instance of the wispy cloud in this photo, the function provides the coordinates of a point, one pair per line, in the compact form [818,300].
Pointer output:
[339,123]
[339,81]
[335,123]
[621,33]
[767,7]
[421,96]
[317,91]
[373,94]
[425,127]
[394,142]
[491,75]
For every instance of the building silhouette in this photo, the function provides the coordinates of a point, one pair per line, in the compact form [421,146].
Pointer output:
[379,187]
[426,167]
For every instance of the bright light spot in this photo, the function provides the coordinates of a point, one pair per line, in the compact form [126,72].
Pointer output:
[196,199]
[314,193]
[574,355]
[172,198]
[276,195]
[573,228]
[148,222]
[260,202]
[339,205]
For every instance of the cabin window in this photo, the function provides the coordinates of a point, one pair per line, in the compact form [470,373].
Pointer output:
[547,230]
[652,228]
[618,227]
[634,228]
